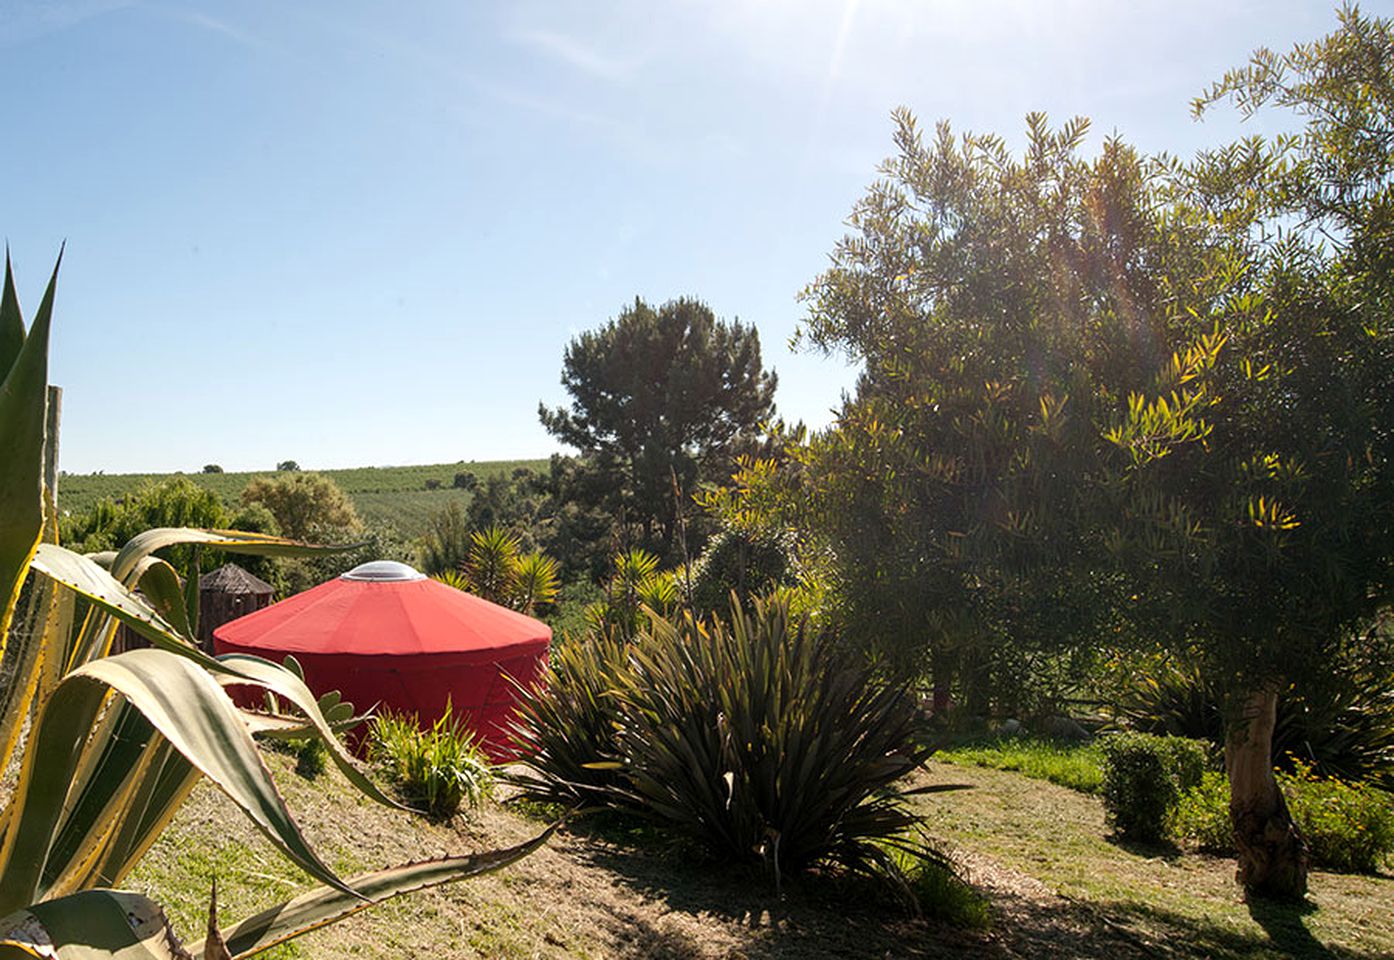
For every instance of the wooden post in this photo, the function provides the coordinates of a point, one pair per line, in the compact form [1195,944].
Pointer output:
[52,417]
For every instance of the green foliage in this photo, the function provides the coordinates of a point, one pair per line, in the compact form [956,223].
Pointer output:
[212,468]
[1347,826]
[1143,779]
[1201,818]
[1340,722]
[1073,765]
[310,758]
[637,582]
[439,769]
[938,889]
[661,398]
[174,502]
[747,565]
[389,495]
[495,568]
[304,504]
[566,725]
[765,740]
[287,466]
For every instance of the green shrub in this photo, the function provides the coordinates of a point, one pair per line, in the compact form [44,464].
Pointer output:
[310,758]
[565,731]
[1342,724]
[939,891]
[437,769]
[1201,818]
[766,740]
[1144,777]
[1347,826]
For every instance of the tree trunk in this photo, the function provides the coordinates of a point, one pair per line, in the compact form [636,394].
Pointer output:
[1272,854]
[941,671]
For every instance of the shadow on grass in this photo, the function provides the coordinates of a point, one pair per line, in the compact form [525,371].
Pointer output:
[1162,850]
[819,916]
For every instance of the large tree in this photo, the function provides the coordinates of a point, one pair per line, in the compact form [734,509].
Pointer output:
[660,396]
[1174,377]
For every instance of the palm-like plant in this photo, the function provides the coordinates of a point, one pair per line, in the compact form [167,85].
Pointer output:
[117,742]
[497,570]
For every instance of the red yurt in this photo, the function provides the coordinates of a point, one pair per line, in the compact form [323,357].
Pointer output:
[384,634]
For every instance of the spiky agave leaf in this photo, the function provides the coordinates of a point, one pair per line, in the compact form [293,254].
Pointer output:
[190,710]
[107,924]
[324,905]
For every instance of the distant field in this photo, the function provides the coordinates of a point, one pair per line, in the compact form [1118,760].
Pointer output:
[395,495]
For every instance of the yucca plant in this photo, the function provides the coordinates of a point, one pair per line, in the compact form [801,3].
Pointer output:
[497,570]
[636,583]
[109,746]
[763,738]
[565,727]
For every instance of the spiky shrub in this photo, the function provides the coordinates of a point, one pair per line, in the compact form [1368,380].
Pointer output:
[438,769]
[764,739]
[565,727]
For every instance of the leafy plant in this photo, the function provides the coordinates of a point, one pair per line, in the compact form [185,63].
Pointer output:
[765,739]
[438,769]
[1144,777]
[1347,826]
[109,746]
[637,582]
[496,568]
[565,730]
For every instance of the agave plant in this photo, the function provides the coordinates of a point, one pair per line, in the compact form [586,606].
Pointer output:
[109,746]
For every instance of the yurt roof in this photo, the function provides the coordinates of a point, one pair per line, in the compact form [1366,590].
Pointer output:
[385,610]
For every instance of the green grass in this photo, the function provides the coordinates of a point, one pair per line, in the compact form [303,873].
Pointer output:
[1077,766]
[1176,905]
[393,495]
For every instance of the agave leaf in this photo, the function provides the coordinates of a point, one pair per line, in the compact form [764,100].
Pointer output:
[288,686]
[23,405]
[158,582]
[92,925]
[323,906]
[189,708]
[11,322]
[229,541]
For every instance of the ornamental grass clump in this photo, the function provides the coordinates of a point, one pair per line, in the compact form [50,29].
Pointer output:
[765,740]
[439,769]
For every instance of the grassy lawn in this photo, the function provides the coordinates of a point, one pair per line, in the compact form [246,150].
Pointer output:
[1159,900]
[1057,886]
[1077,766]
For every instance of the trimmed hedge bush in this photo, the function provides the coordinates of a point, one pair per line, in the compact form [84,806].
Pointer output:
[1347,826]
[1144,778]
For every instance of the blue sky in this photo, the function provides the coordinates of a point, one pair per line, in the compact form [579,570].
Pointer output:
[358,233]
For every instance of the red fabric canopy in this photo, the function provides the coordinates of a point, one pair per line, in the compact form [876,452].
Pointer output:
[403,644]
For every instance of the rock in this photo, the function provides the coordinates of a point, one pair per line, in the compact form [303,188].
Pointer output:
[1063,728]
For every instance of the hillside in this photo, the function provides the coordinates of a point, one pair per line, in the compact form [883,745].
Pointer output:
[1057,889]
[392,495]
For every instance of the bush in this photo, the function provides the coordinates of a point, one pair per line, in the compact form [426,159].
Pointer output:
[310,757]
[1201,818]
[1144,777]
[436,769]
[766,740]
[565,732]
[1347,826]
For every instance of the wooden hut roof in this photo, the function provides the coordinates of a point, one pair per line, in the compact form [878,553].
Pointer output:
[230,578]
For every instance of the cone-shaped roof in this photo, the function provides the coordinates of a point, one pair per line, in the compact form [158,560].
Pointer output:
[230,578]
[366,613]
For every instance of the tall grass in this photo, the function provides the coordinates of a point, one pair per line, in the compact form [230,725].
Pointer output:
[438,769]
